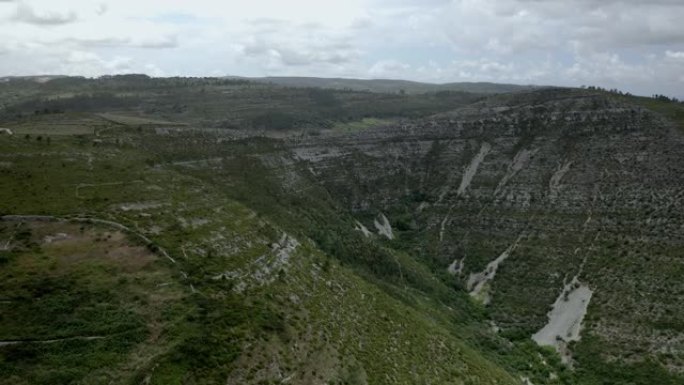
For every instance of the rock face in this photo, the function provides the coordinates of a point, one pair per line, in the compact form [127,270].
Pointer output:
[565,319]
[584,177]
[438,250]
[478,283]
[383,226]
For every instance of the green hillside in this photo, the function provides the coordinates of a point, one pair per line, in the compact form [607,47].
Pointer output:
[202,231]
[390,85]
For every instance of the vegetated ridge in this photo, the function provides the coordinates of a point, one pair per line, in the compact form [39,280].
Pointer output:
[197,231]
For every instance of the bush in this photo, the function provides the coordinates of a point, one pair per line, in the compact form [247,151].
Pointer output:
[274,120]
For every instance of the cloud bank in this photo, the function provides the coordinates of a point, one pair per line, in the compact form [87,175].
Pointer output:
[632,45]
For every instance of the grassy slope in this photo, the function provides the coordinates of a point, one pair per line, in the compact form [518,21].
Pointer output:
[591,352]
[341,336]
[90,308]
[213,102]
[356,332]
[317,216]
[390,86]
[672,111]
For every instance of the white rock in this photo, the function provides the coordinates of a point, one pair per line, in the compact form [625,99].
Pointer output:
[383,226]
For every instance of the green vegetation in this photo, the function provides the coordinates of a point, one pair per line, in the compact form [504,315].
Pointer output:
[212,103]
[209,330]
[674,111]
[360,125]
[390,86]
[268,277]
[80,304]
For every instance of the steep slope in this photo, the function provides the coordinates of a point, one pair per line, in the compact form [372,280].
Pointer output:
[580,192]
[80,303]
[220,294]
[211,104]
[426,250]
[390,85]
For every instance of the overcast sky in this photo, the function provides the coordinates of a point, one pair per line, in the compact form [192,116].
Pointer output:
[634,45]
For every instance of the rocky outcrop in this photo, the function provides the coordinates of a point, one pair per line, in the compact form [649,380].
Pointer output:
[583,176]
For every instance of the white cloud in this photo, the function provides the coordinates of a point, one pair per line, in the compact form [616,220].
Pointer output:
[679,55]
[629,44]
[101,9]
[152,42]
[277,43]
[26,14]
[389,69]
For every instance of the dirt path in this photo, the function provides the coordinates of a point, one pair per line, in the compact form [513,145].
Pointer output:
[83,185]
[108,223]
[6,246]
[51,341]
[443,224]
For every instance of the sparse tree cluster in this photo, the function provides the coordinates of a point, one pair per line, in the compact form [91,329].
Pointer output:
[615,91]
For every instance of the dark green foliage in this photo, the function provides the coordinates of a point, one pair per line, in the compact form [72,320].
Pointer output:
[353,292]
[275,120]
[594,370]
[212,340]
[323,97]
[227,103]
[84,102]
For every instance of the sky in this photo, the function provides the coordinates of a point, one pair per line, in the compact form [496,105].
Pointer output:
[633,45]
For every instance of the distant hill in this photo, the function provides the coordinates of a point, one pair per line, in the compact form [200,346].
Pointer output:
[203,230]
[36,78]
[391,85]
[373,85]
